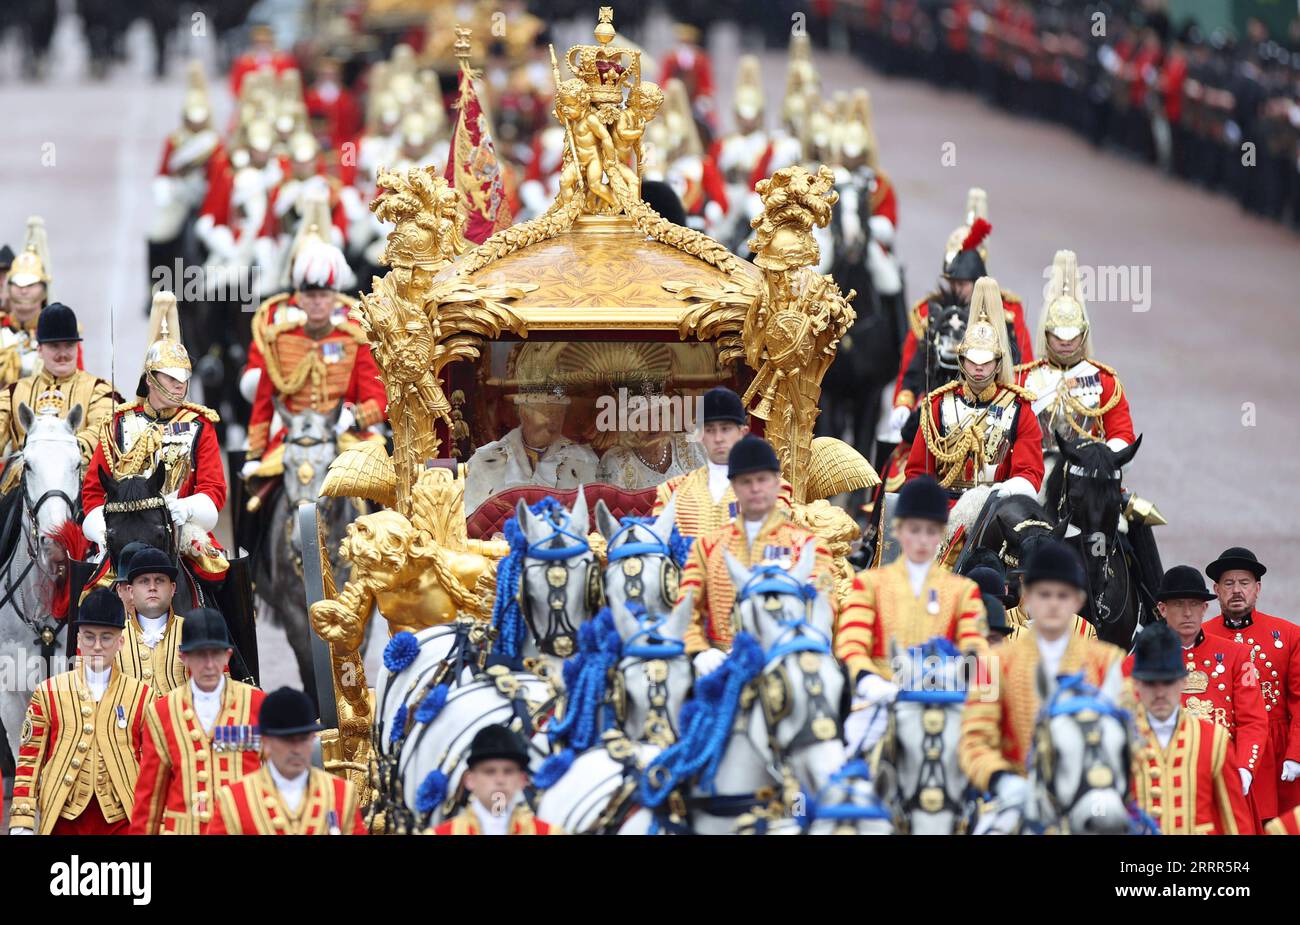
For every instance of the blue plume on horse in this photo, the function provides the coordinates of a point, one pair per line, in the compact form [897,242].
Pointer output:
[401,651]
[853,770]
[1074,694]
[507,615]
[399,725]
[678,546]
[432,704]
[706,722]
[433,790]
[586,677]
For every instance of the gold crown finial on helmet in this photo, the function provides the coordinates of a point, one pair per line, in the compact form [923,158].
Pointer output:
[32,265]
[166,353]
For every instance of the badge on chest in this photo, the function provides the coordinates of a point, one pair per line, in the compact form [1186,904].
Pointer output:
[333,351]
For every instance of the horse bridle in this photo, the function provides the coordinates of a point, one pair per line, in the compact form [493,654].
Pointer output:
[561,633]
[1064,511]
[653,648]
[49,634]
[931,795]
[630,553]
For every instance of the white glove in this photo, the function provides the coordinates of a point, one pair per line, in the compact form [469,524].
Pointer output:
[898,417]
[864,726]
[1012,789]
[1290,770]
[1015,485]
[347,420]
[248,383]
[93,526]
[196,509]
[1246,778]
[875,690]
[708,661]
[21,830]
[249,468]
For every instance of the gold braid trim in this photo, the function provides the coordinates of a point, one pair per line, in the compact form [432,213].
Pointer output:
[1073,404]
[915,321]
[950,452]
[140,458]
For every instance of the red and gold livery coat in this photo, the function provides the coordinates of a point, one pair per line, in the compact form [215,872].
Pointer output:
[919,316]
[159,667]
[706,577]
[1286,824]
[1276,645]
[997,726]
[1192,787]
[253,806]
[522,822]
[304,372]
[1004,423]
[180,771]
[696,513]
[94,395]
[1223,688]
[78,760]
[881,611]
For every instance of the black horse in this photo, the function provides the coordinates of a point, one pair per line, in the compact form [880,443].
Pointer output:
[1123,569]
[135,510]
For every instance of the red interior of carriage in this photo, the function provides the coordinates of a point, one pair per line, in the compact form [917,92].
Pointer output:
[492,514]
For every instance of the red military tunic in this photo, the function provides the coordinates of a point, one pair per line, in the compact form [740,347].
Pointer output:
[250,61]
[1015,452]
[1223,688]
[1192,787]
[522,822]
[997,724]
[253,806]
[181,771]
[918,316]
[78,759]
[1091,385]
[336,367]
[1276,644]
[1286,824]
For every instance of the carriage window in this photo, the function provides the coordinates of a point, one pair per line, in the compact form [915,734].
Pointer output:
[562,413]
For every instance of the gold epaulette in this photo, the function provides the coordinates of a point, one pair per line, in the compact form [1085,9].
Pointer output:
[1019,390]
[1025,367]
[353,329]
[201,411]
[132,405]
[943,389]
[1104,368]
[1009,296]
[914,319]
[264,310]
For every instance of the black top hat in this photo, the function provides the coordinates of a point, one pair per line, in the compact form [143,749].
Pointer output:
[123,564]
[997,615]
[965,265]
[1052,560]
[6,257]
[1182,582]
[922,498]
[1238,557]
[57,324]
[493,742]
[722,404]
[102,608]
[1158,654]
[150,561]
[751,454]
[287,712]
[204,628]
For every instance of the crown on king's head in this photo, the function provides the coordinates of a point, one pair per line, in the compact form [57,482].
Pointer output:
[606,69]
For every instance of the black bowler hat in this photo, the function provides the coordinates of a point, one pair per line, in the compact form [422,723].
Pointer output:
[1158,654]
[1238,557]
[922,498]
[1052,560]
[751,454]
[1181,583]
[204,628]
[497,742]
[6,257]
[123,564]
[722,404]
[151,561]
[102,608]
[997,615]
[287,712]
[57,324]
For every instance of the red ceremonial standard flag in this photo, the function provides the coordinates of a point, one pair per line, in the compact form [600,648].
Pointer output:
[473,169]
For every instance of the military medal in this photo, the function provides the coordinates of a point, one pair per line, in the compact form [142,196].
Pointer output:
[1277,639]
[932,605]
[121,716]
[332,823]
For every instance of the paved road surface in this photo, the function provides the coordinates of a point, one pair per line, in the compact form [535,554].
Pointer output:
[1217,342]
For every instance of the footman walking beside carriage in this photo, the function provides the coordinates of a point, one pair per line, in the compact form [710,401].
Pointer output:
[497,772]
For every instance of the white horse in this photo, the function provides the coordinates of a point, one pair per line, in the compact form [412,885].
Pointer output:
[633,678]
[917,772]
[34,569]
[767,722]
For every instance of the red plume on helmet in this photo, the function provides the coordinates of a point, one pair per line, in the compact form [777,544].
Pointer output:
[979,230]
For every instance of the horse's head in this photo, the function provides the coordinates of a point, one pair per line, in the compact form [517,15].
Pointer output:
[919,759]
[309,448]
[645,559]
[135,510]
[1080,767]
[1092,499]
[777,605]
[945,331]
[51,468]
[559,575]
